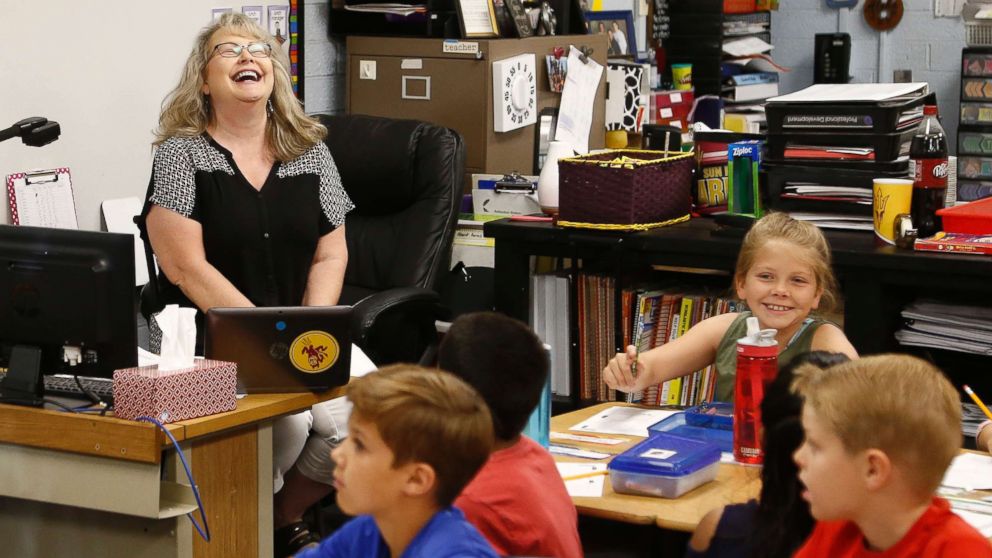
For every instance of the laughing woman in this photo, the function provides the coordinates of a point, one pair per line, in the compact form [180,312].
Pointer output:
[246,208]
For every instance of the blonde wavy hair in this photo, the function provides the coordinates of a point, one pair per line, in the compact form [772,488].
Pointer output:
[803,235]
[186,111]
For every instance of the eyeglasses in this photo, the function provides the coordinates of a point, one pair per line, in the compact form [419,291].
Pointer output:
[233,50]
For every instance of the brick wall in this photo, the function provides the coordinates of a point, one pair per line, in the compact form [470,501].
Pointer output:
[324,62]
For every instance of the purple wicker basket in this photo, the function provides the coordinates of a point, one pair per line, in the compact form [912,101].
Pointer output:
[627,189]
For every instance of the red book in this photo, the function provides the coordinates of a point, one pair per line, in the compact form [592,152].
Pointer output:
[956,242]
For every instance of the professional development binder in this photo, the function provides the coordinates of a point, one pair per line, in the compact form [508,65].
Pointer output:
[42,199]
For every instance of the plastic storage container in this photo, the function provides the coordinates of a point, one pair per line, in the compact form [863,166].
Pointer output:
[664,465]
[970,218]
[709,422]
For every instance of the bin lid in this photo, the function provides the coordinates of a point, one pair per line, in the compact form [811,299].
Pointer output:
[666,455]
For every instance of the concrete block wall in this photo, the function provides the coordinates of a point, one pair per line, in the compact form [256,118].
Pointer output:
[929,46]
[324,62]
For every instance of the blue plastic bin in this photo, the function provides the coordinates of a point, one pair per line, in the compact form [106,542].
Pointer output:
[709,422]
[664,465]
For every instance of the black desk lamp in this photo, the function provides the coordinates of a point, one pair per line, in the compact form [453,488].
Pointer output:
[34,131]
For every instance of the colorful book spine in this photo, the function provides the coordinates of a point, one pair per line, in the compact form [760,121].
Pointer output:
[956,242]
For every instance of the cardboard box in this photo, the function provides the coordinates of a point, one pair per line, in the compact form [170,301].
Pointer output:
[490,202]
[206,388]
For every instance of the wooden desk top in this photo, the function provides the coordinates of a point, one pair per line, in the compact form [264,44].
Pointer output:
[139,441]
[734,484]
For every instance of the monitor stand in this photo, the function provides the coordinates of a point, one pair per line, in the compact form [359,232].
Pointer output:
[23,384]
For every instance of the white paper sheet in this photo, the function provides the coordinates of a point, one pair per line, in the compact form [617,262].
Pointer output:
[970,471]
[44,199]
[847,92]
[577,98]
[628,421]
[746,47]
[119,215]
[590,487]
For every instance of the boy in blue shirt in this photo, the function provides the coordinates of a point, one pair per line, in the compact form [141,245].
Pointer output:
[416,438]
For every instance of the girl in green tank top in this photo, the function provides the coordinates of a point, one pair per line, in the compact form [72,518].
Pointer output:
[783,274]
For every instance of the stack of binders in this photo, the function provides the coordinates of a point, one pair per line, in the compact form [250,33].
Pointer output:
[828,142]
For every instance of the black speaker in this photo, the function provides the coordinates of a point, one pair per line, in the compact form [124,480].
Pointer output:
[832,59]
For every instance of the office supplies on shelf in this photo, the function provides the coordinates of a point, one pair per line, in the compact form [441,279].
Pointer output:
[42,199]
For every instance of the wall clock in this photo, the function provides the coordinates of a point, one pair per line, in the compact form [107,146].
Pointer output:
[514,92]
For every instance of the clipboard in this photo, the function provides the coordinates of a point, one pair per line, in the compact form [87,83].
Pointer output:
[42,199]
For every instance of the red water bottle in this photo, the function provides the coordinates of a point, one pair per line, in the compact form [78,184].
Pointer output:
[929,154]
[757,366]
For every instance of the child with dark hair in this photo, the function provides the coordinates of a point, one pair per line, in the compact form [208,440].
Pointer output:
[777,524]
[518,500]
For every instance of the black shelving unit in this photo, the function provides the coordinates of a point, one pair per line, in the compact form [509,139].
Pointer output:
[877,282]
[697,35]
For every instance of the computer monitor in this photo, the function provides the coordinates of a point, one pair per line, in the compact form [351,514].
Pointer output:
[70,295]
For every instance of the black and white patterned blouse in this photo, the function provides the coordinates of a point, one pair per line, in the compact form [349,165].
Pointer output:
[263,241]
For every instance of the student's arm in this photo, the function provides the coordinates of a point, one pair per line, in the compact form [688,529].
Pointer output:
[703,535]
[984,438]
[692,351]
[829,337]
[178,245]
[327,270]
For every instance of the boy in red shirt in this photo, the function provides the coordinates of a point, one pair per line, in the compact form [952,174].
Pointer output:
[880,432]
[518,500]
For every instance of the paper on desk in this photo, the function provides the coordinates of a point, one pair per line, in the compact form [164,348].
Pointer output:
[629,421]
[577,98]
[846,92]
[591,487]
[970,471]
[119,215]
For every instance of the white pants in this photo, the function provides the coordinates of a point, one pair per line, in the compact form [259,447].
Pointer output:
[306,440]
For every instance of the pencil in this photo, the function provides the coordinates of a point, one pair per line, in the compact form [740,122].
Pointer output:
[978,402]
[633,372]
[585,475]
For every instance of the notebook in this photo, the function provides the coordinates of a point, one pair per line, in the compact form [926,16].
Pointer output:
[283,349]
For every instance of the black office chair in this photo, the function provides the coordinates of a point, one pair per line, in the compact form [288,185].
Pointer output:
[405,178]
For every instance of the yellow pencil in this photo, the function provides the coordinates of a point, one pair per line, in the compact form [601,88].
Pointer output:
[978,402]
[585,475]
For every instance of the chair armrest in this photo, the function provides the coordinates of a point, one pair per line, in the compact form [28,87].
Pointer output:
[396,325]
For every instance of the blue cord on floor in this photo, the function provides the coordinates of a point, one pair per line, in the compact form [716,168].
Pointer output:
[205,531]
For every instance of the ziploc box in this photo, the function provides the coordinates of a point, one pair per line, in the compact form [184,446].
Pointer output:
[743,186]
[664,465]
[206,388]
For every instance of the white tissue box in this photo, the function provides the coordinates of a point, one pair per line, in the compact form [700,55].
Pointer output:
[206,388]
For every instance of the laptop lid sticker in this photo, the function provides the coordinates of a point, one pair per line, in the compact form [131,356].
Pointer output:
[314,351]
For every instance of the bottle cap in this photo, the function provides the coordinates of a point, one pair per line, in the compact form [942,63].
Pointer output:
[758,337]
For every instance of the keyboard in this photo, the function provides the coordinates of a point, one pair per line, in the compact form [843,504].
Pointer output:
[65,385]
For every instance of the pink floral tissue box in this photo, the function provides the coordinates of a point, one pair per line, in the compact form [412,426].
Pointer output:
[206,388]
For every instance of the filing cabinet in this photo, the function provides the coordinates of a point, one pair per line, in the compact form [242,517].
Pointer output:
[450,83]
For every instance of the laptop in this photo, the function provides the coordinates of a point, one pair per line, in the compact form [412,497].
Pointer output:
[283,349]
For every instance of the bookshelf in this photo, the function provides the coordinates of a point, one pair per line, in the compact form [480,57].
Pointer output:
[974,139]
[876,283]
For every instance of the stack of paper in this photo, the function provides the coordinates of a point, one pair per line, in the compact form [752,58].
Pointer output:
[835,220]
[823,192]
[953,327]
